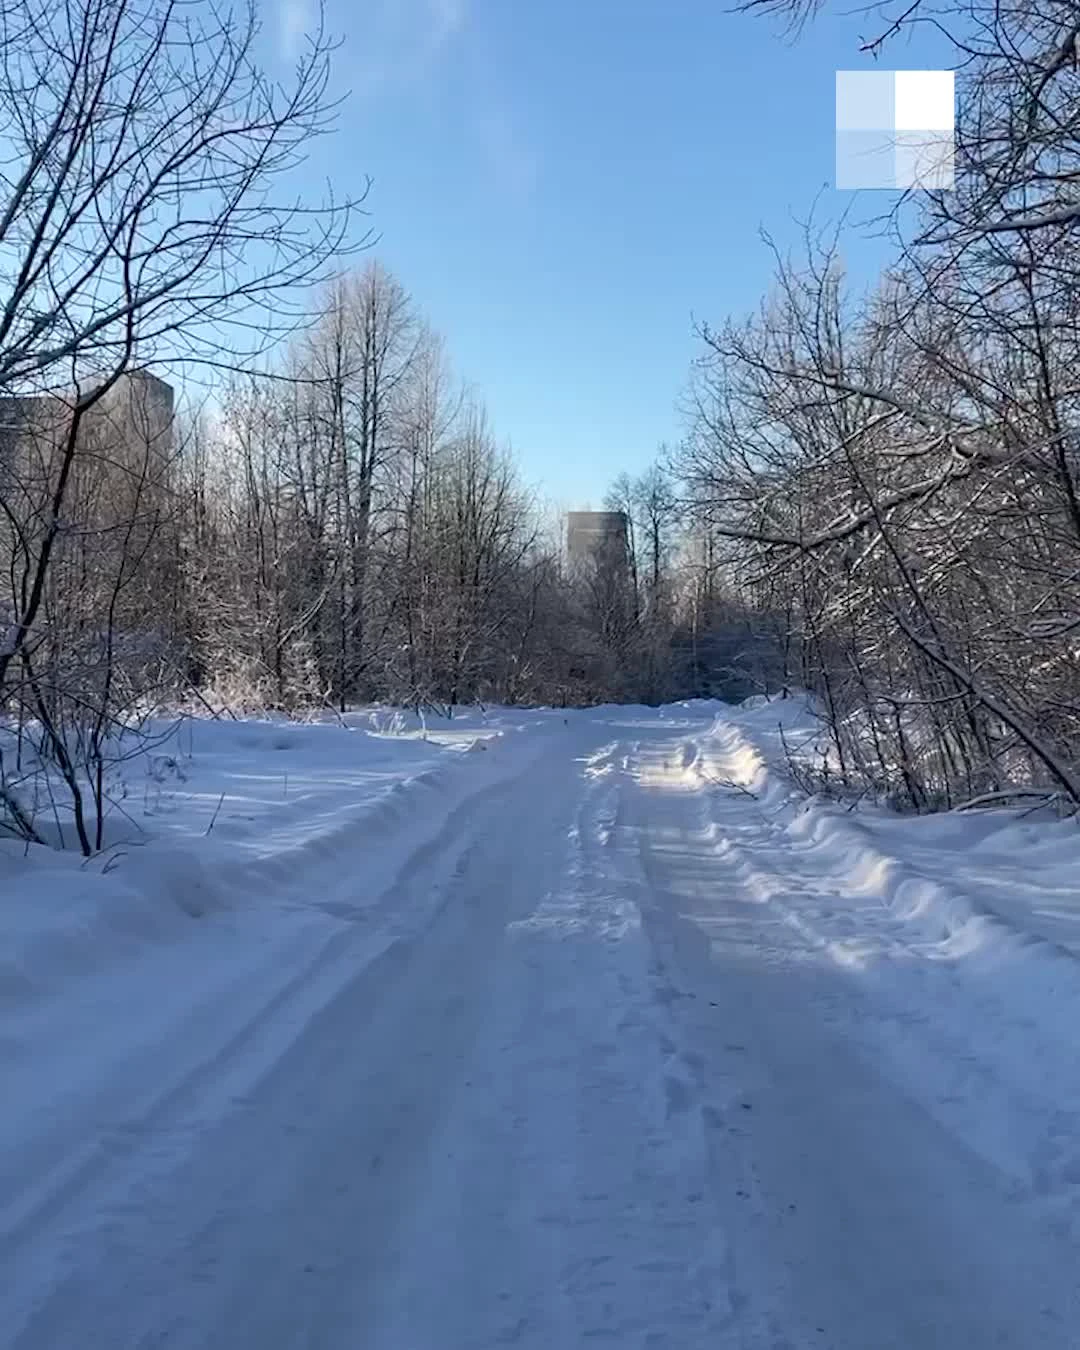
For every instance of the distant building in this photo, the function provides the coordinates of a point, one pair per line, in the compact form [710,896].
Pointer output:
[601,535]
[140,407]
[134,418]
[34,423]
[115,513]
[138,404]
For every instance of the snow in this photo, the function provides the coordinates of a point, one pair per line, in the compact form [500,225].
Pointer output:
[603,1034]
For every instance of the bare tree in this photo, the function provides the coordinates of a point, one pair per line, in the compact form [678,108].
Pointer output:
[140,226]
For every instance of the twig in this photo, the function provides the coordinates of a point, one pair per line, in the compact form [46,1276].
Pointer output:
[731,784]
[116,806]
[1045,796]
[214,817]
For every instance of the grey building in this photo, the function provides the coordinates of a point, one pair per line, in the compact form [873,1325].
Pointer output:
[136,413]
[140,406]
[601,535]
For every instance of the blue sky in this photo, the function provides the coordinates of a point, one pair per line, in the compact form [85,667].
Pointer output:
[563,185]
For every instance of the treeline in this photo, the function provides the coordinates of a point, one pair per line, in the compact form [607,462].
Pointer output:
[339,527]
[876,498]
[348,529]
[335,522]
[898,475]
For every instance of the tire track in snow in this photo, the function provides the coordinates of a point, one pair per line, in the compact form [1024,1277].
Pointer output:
[989,1072]
[84,1197]
[595,1226]
[863,1220]
[469,1145]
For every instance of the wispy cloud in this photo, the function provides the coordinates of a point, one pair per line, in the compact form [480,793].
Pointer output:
[397,42]
[447,18]
[296,18]
[513,162]
[396,46]
[497,124]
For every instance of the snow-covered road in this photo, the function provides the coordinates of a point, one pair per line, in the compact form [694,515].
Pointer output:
[620,1059]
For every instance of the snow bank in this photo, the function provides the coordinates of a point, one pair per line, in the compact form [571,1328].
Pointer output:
[266,815]
[962,929]
[254,869]
[970,879]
